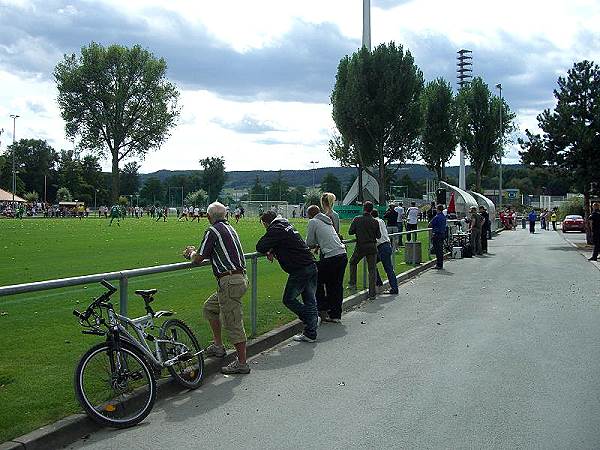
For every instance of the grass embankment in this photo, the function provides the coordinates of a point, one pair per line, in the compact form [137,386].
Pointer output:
[40,340]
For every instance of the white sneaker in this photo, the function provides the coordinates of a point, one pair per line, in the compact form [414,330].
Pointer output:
[303,338]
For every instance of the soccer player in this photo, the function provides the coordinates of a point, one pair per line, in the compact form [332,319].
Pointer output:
[115,213]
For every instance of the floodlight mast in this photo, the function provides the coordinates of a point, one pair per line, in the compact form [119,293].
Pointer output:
[464,74]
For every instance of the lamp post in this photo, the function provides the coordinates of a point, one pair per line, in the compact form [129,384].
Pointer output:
[499,87]
[314,170]
[95,192]
[14,173]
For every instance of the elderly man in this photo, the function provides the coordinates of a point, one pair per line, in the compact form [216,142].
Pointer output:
[221,245]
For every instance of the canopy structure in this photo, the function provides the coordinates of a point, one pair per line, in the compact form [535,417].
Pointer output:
[462,199]
[6,196]
[482,200]
[370,190]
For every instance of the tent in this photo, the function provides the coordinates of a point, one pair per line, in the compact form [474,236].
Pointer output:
[6,196]
[370,190]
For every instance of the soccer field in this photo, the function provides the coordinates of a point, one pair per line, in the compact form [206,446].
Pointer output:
[41,340]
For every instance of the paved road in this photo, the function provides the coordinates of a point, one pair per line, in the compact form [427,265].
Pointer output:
[500,351]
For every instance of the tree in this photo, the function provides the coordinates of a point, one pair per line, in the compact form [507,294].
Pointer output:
[34,160]
[70,172]
[257,191]
[130,178]
[152,191]
[31,197]
[117,100]
[534,151]
[439,136]
[214,176]
[279,188]
[331,183]
[196,198]
[480,134]
[376,107]
[313,197]
[63,195]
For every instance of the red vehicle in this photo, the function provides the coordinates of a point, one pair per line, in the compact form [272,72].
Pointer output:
[573,223]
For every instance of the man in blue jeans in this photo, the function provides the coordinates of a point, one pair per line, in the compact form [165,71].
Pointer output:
[438,234]
[283,242]
[384,253]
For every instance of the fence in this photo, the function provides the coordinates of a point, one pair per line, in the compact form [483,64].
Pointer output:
[124,276]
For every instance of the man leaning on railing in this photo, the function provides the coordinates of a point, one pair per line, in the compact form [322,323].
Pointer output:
[221,245]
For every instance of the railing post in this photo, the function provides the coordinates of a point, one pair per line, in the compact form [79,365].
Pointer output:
[254,299]
[394,241]
[123,284]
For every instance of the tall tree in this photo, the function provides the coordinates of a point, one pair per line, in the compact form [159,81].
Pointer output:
[376,107]
[480,133]
[152,191]
[331,183]
[70,173]
[534,150]
[34,159]
[572,129]
[279,188]
[257,191]
[130,178]
[439,126]
[213,176]
[117,100]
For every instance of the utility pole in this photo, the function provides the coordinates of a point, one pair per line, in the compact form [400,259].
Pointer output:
[499,87]
[464,74]
[14,170]
[366,36]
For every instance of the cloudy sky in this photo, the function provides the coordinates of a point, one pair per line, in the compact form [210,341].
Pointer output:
[255,76]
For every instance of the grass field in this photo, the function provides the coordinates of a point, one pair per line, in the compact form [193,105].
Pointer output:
[41,340]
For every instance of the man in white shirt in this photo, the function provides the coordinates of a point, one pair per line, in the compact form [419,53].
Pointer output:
[400,210]
[412,215]
[384,253]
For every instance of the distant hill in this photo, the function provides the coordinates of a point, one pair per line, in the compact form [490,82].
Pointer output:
[245,179]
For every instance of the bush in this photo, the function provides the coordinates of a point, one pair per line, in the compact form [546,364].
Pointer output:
[123,200]
[31,197]
[313,197]
[572,206]
[63,195]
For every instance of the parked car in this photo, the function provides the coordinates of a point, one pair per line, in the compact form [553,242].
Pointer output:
[573,223]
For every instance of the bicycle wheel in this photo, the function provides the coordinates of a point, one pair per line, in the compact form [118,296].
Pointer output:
[189,372]
[115,397]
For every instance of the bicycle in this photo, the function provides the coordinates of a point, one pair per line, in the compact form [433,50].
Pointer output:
[115,381]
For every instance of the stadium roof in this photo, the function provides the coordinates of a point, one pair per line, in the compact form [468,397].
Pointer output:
[6,196]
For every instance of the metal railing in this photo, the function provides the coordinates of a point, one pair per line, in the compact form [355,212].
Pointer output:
[123,277]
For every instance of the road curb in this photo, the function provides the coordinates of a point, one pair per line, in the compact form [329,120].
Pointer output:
[79,426]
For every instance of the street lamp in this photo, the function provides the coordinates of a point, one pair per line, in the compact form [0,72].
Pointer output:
[499,87]
[314,170]
[14,173]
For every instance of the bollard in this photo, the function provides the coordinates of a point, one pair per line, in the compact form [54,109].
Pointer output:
[123,284]
[254,294]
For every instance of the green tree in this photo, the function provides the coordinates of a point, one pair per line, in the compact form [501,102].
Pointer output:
[439,137]
[480,134]
[572,129]
[63,195]
[257,191]
[331,183]
[130,178]
[117,100]
[196,198]
[152,191]
[213,176]
[34,160]
[376,107]
[313,197]
[279,188]
[70,172]
[31,197]
[534,150]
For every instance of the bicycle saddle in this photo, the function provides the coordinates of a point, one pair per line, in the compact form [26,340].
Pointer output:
[146,292]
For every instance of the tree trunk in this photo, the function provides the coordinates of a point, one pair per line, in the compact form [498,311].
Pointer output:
[443,173]
[587,212]
[381,183]
[115,179]
[477,179]
[361,198]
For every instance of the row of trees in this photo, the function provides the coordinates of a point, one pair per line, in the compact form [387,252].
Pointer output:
[385,115]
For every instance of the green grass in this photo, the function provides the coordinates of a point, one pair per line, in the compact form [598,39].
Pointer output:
[41,340]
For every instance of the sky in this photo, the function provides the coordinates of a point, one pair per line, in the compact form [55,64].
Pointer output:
[255,76]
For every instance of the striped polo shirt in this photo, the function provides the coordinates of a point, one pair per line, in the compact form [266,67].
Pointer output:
[222,246]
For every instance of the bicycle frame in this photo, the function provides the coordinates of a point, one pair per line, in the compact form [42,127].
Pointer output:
[116,322]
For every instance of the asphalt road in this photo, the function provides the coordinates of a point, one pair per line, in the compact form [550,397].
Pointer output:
[500,351]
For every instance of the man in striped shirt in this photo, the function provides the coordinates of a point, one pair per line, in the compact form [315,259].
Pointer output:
[221,245]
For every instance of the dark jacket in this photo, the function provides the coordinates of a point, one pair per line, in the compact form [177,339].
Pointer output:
[366,229]
[286,244]
[391,217]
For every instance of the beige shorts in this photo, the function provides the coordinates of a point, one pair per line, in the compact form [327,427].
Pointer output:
[226,305]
